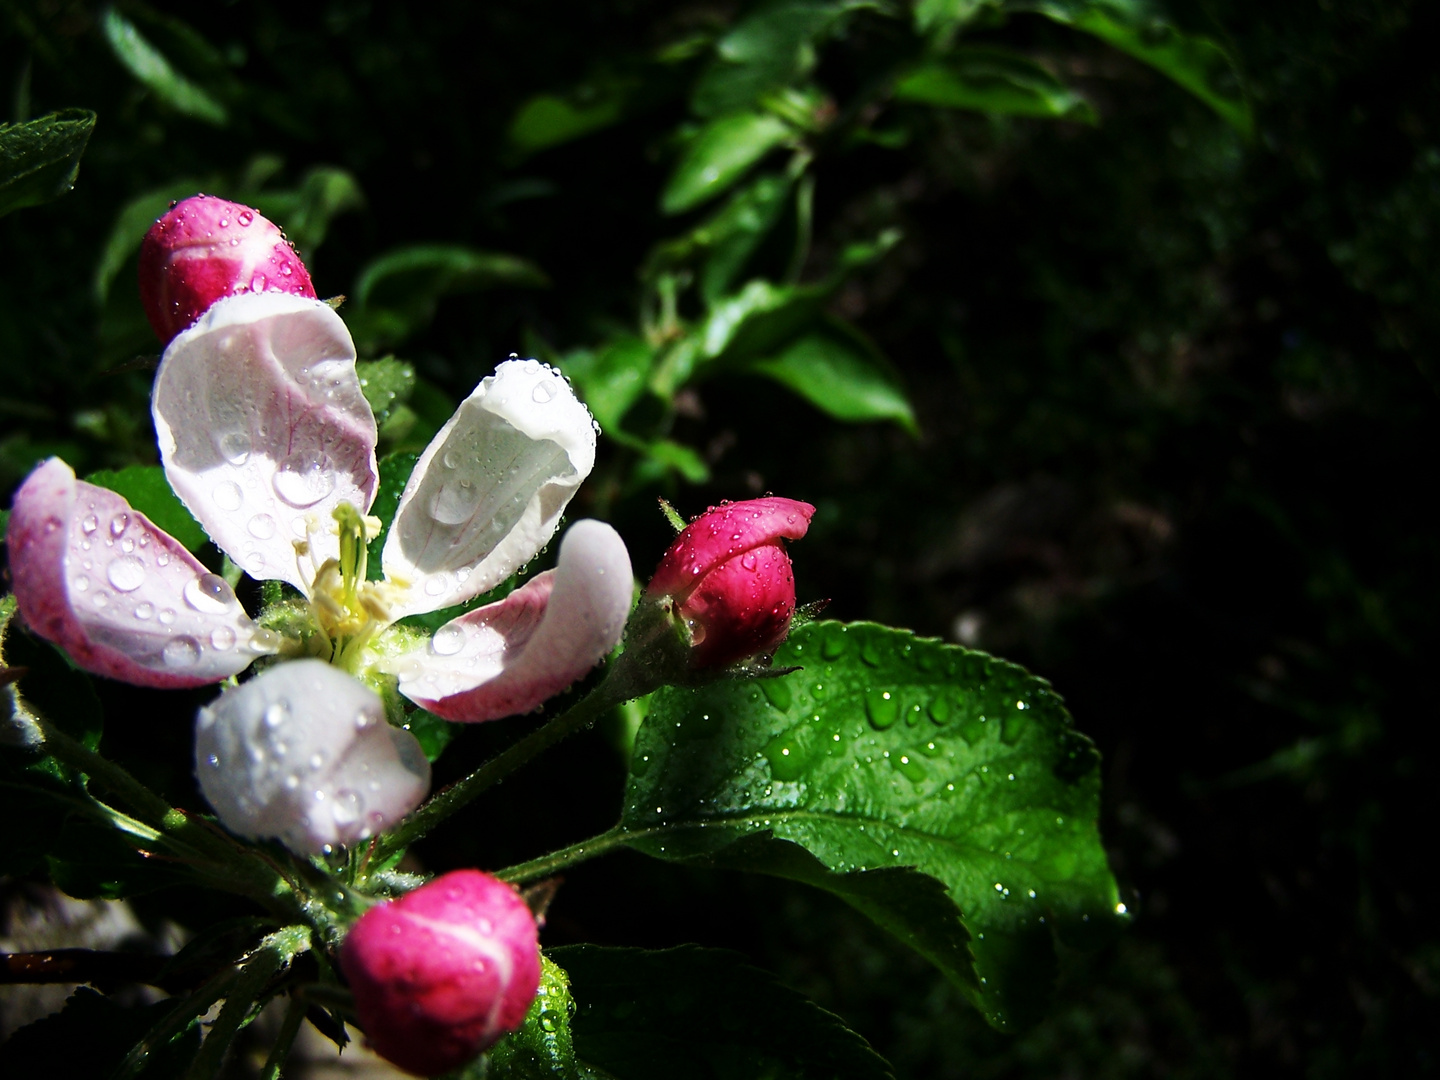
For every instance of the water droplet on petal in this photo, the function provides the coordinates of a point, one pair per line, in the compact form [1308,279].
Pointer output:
[222,638]
[144,611]
[448,640]
[180,652]
[167,616]
[543,392]
[126,573]
[262,526]
[235,447]
[276,713]
[89,525]
[118,524]
[209,594]
[435,585]
[304,478]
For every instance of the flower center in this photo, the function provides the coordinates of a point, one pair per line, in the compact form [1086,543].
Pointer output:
[350,609]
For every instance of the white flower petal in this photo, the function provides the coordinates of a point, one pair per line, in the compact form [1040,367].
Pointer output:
[120,595]
[508,657]
[489,490]
[302,754]
[262,425]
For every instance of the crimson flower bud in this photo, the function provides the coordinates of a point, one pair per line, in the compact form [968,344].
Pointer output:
[441,973]
[205,249]
[729,578]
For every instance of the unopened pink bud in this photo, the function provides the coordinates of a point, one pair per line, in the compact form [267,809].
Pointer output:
[441,973]
[205,249]
[730,578]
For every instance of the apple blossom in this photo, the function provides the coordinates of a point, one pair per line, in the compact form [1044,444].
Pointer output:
[728,578]
[266,437]
[441,973]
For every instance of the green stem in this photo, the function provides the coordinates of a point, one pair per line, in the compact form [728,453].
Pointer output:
[272,954]
[289,1028]
[567,856]
[623,682]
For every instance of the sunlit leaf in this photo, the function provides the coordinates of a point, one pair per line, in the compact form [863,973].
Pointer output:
[718,155]
[541,1048]
[993,81]
[611,378]
[841,374]
[150,67]
[548,120]
[885,752]
[40,158]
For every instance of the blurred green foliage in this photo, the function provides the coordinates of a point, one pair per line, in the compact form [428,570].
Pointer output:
[1140,308]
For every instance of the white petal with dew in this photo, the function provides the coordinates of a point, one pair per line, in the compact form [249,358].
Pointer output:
[509,657]
[488,492]
[120,595]
[302,753]
[263,427]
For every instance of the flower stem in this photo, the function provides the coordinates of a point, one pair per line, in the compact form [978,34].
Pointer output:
[621,683]
[289,1028]
[566,856]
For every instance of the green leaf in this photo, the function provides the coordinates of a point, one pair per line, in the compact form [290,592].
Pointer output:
[305,212]
[734,232]
[841,374]
[681,458]
[395,470]
[39,159]
[50,686]
[718,155]
[131,225]
[703,1014]
[993,81]
[432,732]
[387,384]
[146,489]
[946,15]
[889,751]
[540,1048]
[1197,63]
[396,295]
[548,120]
[151,68]
[612,378]
[765,51]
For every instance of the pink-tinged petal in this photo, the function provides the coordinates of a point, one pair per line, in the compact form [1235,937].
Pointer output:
[123,598]
[302,753]
[510,656]
[205,249]
[489,490]
[720,534]
[263,430]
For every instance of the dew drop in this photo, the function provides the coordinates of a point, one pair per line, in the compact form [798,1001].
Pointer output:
[89,525]
[209,594]
[304,478]
[870,652]
[167,616]
[347,807]
[448,640]
[144,611]
[222,638]
[264,640]
[82,584]
[227,496]
[118,524]
[276,713]
[882,708]
[435,585]
[126,573]
[261,526]
[235,447]
[180,652]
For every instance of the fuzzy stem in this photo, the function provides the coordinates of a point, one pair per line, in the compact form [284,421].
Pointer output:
[566,856]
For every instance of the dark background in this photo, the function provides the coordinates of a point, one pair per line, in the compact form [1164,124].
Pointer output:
[1177,396]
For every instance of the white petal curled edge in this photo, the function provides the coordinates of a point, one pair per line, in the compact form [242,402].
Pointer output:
[510,656]
[488,492]
[302,754]
[263,430]
[120,595]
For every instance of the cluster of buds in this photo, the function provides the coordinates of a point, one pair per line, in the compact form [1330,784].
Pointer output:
[266,438]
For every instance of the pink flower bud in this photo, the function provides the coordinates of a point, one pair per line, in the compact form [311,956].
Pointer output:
[205,249]
[730,579]
[441,973]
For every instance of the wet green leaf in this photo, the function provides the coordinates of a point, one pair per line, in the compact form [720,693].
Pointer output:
[841,374]
[387,384]
[703,1014]
[541,1048]
[612,378]
[151,68]
[432,732]
[1197,63]
[146,489]
[39,159]
[718,155]
[889,751]
[993,81]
